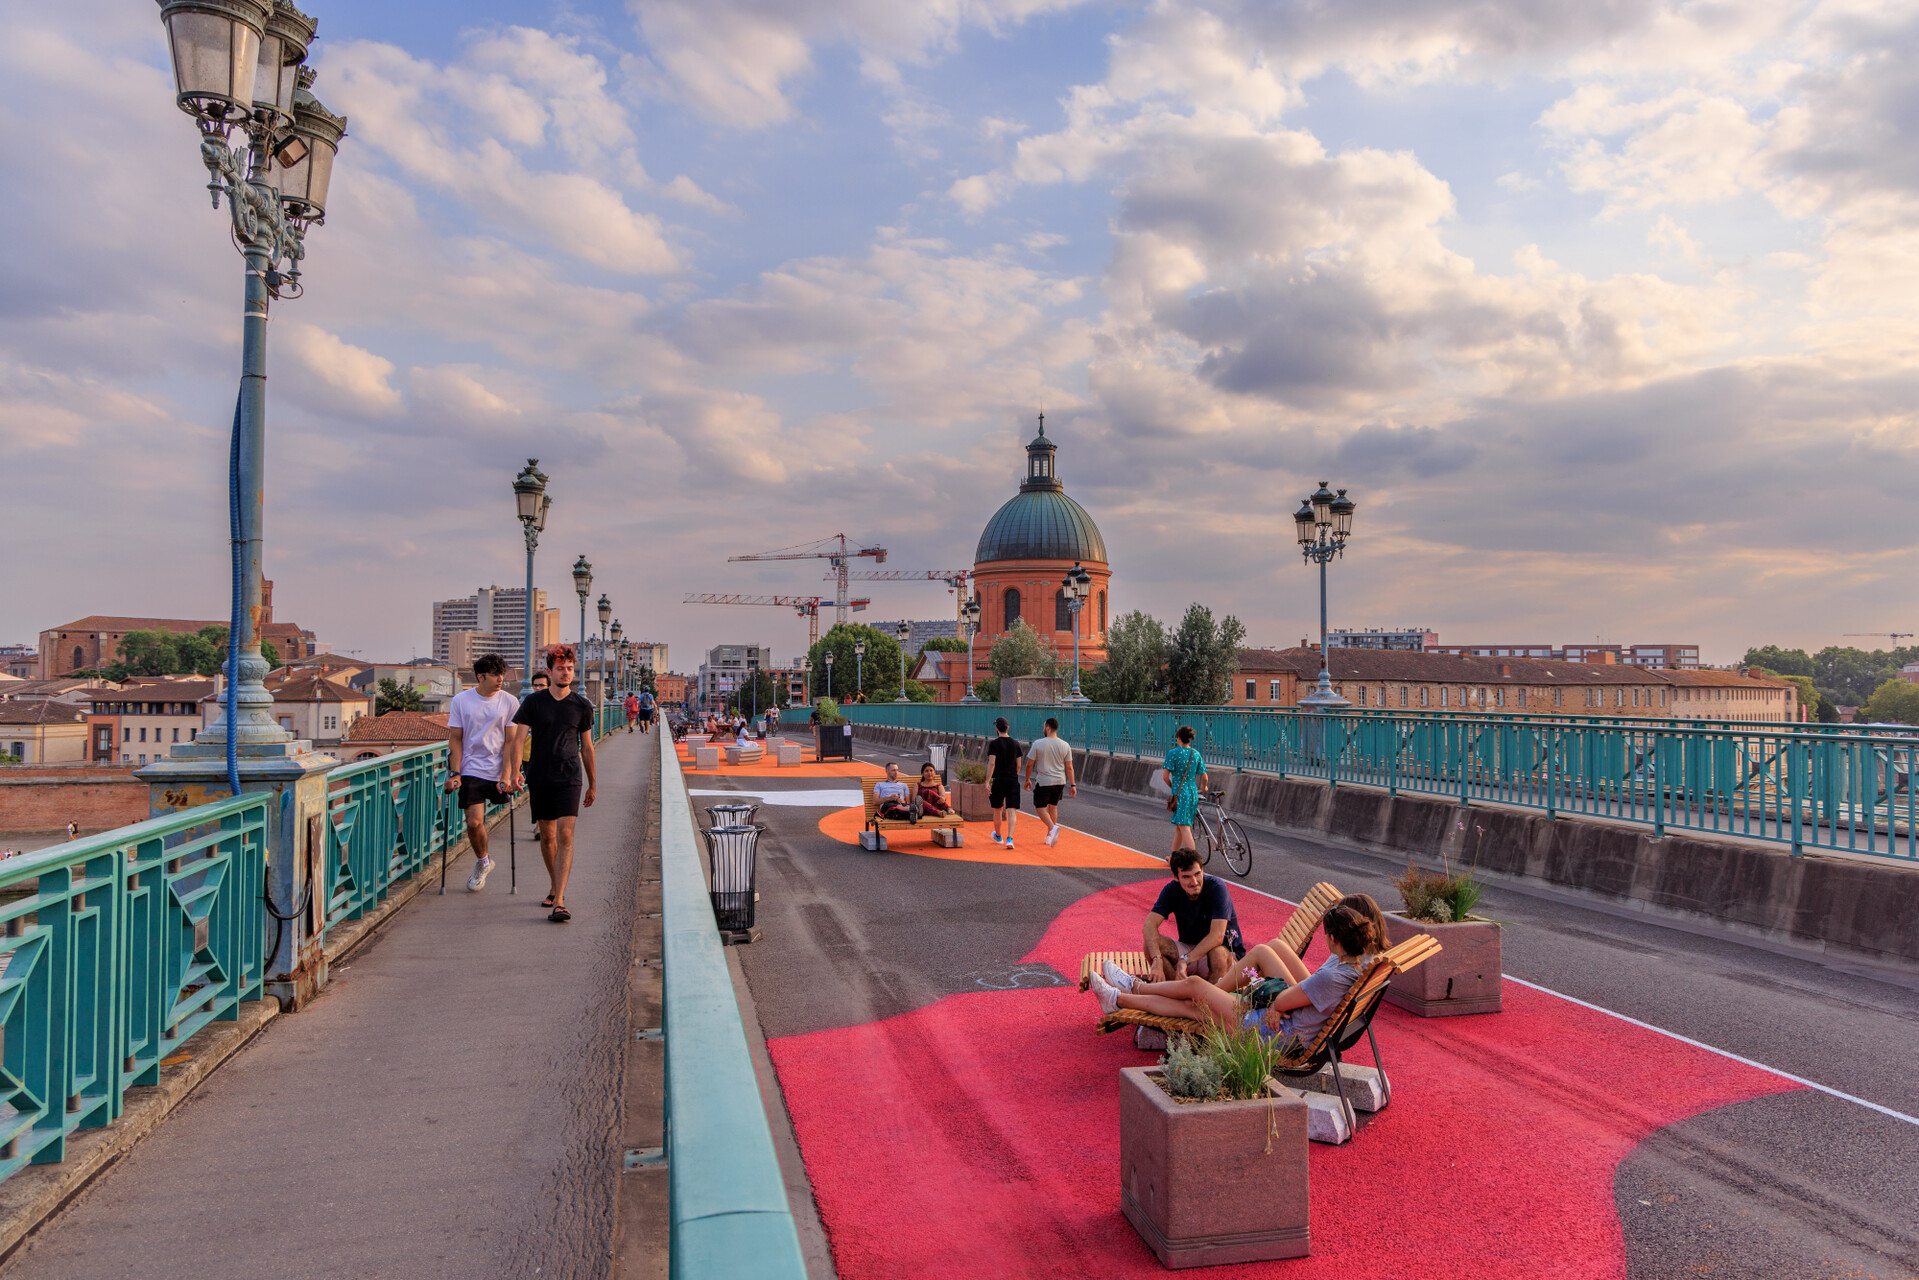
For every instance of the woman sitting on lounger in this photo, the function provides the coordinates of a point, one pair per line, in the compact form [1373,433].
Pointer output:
[1290,1000]
[932,795]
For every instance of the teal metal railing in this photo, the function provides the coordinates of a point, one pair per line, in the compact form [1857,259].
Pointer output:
[118,948]
[1805,786]
[727,1206]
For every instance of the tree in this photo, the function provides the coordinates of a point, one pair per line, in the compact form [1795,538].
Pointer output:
[1202,657]
[395,696]
[1020,652]
[756,696]
[1784,662]
[1135,669]
[647,683]
[1894,701]
[944,644]
[150,653]
[986,689]
[878,673]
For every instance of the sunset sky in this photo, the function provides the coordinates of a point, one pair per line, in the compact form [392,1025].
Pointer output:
[1605,313]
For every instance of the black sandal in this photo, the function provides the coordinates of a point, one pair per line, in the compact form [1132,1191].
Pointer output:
[547,901]
[559,915]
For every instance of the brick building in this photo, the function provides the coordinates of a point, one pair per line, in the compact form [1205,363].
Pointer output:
[43,732]
[142,720]
[94,641]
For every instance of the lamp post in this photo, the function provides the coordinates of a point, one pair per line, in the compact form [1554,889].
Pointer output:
[582,587]
[969,617]
[806,677]
[606,616]
[238,68]
[1323,522]
[905,632]
[859,668]
[619,658]
[531,501]
[1076,585]
[829,673]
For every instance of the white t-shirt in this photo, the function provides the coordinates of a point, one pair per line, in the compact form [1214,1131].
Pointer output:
[482,723]
[1050,756]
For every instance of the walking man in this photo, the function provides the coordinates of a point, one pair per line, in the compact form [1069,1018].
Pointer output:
[646,711]
[482,746]
[1049,772]
[560,773]
[1003,792]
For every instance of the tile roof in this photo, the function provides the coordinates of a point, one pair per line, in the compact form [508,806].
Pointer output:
[48,712]
[400,726]
[314,689]
[154,689]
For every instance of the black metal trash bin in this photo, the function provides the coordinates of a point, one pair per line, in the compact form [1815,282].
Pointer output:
[731,815]
[734,854]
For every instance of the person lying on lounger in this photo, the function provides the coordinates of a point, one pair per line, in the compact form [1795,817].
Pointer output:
[1288,1000]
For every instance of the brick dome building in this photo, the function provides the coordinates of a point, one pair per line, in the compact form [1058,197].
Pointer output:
[1025,551]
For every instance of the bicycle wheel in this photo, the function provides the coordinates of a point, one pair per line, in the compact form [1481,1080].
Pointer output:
[1205,843]
[1238,849]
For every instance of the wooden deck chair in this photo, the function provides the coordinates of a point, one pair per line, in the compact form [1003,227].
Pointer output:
[1298,931]
[946,830]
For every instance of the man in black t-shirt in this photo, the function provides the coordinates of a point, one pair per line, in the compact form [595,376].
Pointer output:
[560,774]
[1209,943]
[1003,757]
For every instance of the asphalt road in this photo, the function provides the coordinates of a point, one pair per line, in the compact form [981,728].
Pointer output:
[449,1106]
[1797,1184]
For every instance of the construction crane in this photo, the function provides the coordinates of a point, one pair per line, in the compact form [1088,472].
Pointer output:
[955,580]
[1894,636]
[807,607]
[834,549]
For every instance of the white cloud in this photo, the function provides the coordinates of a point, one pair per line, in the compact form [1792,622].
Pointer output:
[335,375]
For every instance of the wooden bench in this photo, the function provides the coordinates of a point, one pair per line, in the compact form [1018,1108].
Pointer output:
[1298,931]
[945,830]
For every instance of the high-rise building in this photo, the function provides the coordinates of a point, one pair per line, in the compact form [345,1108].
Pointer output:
[491,620]
[1397,639]
[726,669]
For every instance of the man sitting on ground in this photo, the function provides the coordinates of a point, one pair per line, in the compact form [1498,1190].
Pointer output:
[895,797]
[1209,944]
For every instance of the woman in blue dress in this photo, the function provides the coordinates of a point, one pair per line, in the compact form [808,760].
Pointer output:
[1185,773]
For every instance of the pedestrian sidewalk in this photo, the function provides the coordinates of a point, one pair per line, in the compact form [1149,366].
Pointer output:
[449,1105]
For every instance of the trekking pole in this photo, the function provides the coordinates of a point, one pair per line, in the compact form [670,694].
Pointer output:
[512,850]
[446,838]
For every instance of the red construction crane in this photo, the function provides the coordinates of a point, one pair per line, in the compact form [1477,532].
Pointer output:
[807,607]
[834,549]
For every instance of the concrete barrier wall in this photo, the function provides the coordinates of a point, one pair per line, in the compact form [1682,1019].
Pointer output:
[1840,904]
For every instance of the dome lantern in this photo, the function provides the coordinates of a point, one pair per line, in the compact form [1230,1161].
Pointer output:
[1041,522]
[1040,470]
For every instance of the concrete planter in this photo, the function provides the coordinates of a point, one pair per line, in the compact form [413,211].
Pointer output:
[975,801]
[1196,1180]
[1462,978]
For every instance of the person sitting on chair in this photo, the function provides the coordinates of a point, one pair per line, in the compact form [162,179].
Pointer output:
[1289,1000]
[1208,941]
[896,800]
[932,797]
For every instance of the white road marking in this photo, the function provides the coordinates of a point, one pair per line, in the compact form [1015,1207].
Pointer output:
[799,799]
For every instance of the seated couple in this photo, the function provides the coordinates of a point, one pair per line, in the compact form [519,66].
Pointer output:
[897,802]
[1272,990]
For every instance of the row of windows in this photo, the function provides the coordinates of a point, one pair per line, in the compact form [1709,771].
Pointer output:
[1062,615]
[126,735]
[145,708]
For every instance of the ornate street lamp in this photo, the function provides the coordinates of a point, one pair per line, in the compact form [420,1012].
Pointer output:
[1322,525]
[1076,585]
[905,633]
[806,676]
[619,657]
[531,501]
[582,587]
[829,673]
[606,616]
[859,667]
[969,618]
[237,66]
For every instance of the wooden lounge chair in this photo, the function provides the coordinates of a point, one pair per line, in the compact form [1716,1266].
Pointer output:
[1299,929]
[1351,1018]
[945,829]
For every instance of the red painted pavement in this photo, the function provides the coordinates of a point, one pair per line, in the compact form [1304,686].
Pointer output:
[979,1137]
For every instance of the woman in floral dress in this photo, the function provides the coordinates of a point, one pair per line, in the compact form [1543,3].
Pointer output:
[1185,774]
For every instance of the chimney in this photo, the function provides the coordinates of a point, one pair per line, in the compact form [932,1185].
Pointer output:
[1505,671]
[1304,643]
[1605,658]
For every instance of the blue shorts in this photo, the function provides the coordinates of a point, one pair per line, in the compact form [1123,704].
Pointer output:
[1255,1021]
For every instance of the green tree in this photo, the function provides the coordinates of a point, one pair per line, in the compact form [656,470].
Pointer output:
[1202,657]
[1020,652]
[1135,669]
[1784,662]
[647,683]
[1896,700]
[878,673]
[756,696]
[395,696]
[150,653]
[944,644]
[986,688]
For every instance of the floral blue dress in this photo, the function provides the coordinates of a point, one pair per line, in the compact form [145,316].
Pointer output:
[1185,765]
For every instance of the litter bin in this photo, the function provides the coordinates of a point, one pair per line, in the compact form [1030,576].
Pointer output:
[734,853]
[835,742]
[936,754]
[731,815]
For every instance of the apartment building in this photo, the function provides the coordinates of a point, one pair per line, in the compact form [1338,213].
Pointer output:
[491,620]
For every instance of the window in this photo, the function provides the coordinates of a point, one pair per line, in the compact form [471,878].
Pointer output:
[126,735]
[1062,616]
[143,733]
[1250,686]
[1423,694]
[193,735]
[1405,698]
[79,656]
[1443,692]
[286,722]
[1272,690]
[1619,697]
[1360,695]
[1482,697]
[1499,697]
[1522,699]
[176,735]
[1559,697]
[1012,607]
[143,759]
[1102,613]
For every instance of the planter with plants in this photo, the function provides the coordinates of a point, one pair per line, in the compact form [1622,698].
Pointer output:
[1213,1163]
[972,793]
[1464,976]
[831,740]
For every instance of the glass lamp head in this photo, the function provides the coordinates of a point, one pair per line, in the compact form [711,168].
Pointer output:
[1343,508]
[283,47]
[528,489]
[582,577]
[1322,501]
[1303,522]
[302,179]
[606,610]
[216,55]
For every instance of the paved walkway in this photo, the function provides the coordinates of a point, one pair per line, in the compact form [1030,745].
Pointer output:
[448,1107]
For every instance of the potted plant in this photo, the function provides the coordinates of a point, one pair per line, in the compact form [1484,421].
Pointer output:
[1213,1165]
[972,794]
[1464,976]
[831,739]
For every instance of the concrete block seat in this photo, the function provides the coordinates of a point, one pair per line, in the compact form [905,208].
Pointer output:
[789,757]
[945,830]
[747,754]
[706,757]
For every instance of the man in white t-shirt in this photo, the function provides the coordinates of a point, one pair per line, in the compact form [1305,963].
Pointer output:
[1049,774]
[482,746]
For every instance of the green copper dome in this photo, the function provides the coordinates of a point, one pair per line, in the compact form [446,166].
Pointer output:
[1040,522]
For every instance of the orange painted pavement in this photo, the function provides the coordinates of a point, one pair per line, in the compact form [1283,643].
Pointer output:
[1075,848]
[811,769]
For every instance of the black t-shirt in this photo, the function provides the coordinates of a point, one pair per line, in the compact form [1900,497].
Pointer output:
[1005,754]
[556,724]
[1195,916]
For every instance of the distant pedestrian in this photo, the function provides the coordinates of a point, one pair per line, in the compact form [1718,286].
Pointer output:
[73,828]
[560,773]
[481,744]
[1049,772]
[646,711]
[1185,774]
[1003,755]
[632,709]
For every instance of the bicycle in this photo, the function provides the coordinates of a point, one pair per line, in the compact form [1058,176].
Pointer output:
[1220,831]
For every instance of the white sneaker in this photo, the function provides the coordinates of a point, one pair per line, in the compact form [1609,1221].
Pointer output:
[1108,994]
[1052,837]
[1117,976]
[477,881]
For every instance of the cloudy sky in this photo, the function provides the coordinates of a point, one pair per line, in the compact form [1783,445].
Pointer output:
[1606,313]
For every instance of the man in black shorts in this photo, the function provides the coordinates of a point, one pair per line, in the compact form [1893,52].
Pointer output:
[560,723]
[482,745]
[1003,756]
